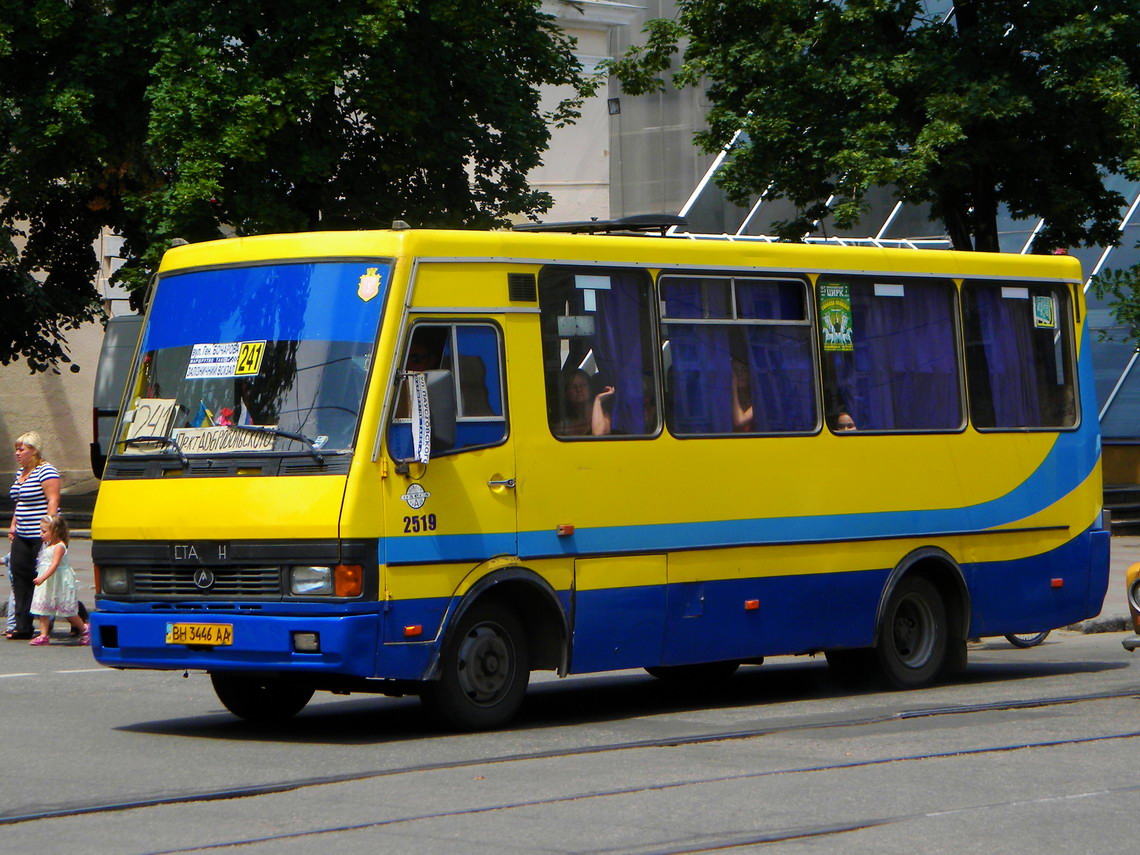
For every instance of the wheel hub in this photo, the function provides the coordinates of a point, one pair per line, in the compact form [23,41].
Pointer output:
[484,665]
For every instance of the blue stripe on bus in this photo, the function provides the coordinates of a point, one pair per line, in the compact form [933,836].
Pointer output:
[1066,466]
[707,621]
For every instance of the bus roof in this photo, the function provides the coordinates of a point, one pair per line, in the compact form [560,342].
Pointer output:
[538,247]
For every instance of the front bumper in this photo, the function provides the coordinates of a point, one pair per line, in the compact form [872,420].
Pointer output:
[348,643]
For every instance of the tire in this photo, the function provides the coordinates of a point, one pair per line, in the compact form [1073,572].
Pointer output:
[703,672]
[260,699]
[484,671]
[1027,639]
[913,636]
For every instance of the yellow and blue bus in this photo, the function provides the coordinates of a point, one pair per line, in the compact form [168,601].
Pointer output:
[430,462]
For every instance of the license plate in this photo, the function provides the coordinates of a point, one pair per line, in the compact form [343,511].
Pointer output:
[211,634]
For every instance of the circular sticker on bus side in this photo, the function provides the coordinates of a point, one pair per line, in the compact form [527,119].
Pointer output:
[416,497]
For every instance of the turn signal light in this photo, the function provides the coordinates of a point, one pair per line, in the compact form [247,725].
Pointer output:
[349,580]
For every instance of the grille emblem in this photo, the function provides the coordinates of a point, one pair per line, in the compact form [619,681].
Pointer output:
[204,578]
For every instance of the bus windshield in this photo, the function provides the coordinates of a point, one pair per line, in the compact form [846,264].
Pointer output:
[265,358]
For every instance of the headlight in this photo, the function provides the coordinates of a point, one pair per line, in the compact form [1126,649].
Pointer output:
[114,580]
[311,581]
[1134,594]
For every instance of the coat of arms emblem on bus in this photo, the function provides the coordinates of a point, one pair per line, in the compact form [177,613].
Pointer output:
[416,497]
[369,284]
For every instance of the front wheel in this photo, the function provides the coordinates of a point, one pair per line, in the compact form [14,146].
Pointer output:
[484,671]
[1027,639]
[260,699]
[913,634]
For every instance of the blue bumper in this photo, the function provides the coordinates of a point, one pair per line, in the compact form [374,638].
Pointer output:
[348,643]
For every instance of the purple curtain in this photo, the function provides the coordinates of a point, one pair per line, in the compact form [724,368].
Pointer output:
[700,381]
[779,357]
[903,372]
[619,334]
[1005,330]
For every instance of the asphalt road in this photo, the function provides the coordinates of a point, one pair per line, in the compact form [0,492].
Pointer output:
[1031,751]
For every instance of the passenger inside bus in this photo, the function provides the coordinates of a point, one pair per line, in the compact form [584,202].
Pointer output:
[843,422]
[586,414]
[741,397]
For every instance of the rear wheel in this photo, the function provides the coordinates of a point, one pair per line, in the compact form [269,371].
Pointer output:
[1027,639]
[260,699]
[484,671]
[703,672]
[913,634]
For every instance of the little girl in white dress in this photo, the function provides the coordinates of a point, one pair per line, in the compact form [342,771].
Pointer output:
[57,591]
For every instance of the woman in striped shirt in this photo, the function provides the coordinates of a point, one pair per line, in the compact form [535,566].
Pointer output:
[36,493]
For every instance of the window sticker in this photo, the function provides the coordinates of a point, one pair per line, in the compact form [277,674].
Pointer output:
[368,286]
[1044,313]
[249,358]
[589,286]
[835,317]
[228,359]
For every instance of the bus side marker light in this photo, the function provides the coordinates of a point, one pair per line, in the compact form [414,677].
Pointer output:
[1057,583]
[565,530]
[307,642]
[751,605]
[413,631]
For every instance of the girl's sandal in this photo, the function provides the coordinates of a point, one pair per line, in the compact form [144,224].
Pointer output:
[40,640]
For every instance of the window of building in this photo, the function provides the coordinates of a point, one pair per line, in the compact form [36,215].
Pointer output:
[738,355]
[1019,355]
[889,352]
[598,351]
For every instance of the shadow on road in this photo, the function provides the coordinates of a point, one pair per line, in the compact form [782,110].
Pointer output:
[375,720]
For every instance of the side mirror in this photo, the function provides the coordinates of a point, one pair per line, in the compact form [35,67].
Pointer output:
[432,419]
[441,401]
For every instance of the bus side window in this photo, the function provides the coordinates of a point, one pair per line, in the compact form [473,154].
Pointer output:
[739,355]
[889,353]
[1019,355]
[472,352]
[598,352]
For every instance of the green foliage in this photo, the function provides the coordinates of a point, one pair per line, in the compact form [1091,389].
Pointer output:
[1122,287]
[191,118]
[1026,104]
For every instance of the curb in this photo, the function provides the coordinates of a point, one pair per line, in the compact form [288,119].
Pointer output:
[1104,623]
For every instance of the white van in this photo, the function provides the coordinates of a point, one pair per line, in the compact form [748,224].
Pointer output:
[119,341]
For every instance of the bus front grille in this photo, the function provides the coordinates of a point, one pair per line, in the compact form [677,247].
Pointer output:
[229,582]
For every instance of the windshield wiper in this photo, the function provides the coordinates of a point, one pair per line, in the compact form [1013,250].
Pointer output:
[165,440]
[298,437]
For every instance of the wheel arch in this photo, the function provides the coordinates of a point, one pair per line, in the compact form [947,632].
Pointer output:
[938,567]
[537,606]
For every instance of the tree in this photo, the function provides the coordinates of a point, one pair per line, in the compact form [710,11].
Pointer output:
[1122,287]
[1003,101]
[193,118]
